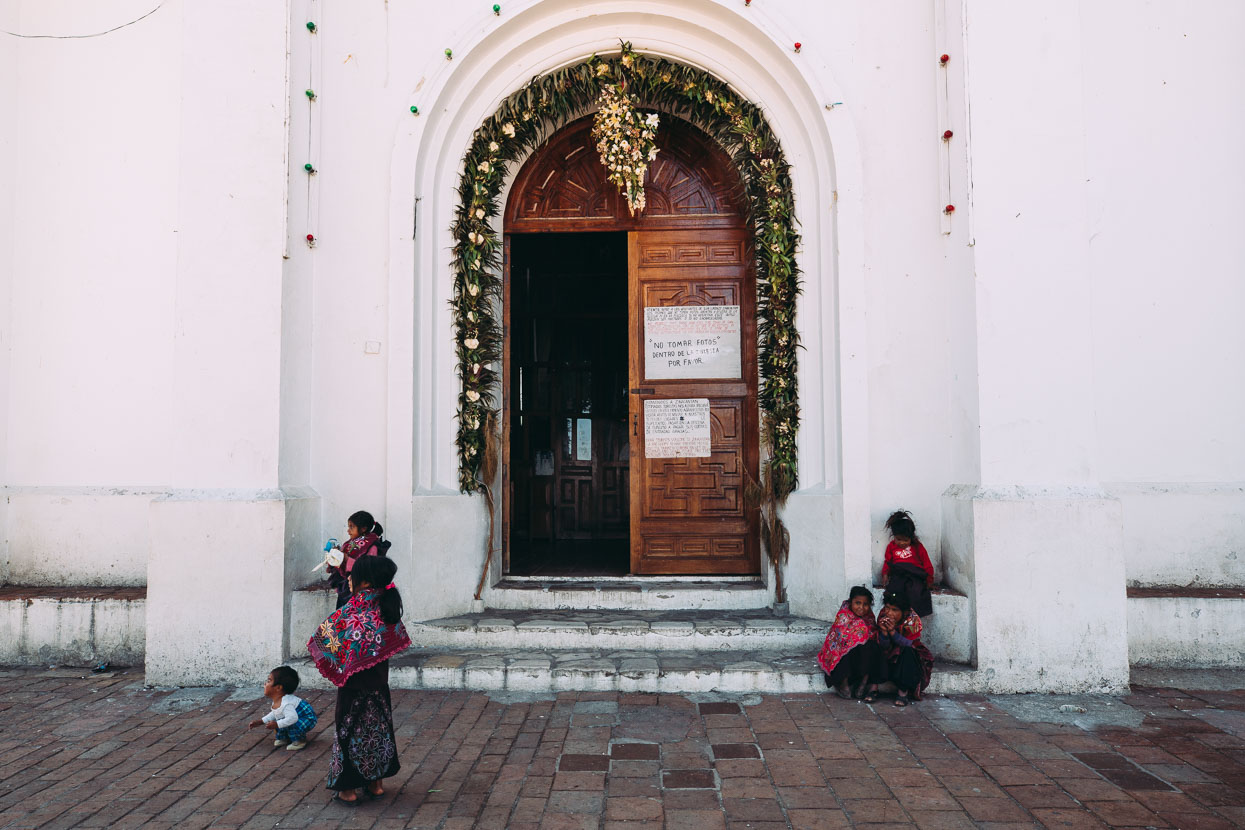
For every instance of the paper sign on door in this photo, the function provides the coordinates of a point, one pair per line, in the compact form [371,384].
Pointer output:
[676,428]
[691,341]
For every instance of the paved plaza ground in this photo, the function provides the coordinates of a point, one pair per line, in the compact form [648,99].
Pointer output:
[107,751]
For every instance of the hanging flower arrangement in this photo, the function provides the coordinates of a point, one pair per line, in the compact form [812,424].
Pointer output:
[626,82]
[626,141]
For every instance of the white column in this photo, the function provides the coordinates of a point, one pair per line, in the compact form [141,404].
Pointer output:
[217,592]
[1034,540]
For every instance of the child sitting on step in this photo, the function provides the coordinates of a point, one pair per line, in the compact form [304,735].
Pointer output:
[903,659]
[907,569]
[291,717]
[850,652]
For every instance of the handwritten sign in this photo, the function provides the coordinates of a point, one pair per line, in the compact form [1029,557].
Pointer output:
[691,341]
[676,428]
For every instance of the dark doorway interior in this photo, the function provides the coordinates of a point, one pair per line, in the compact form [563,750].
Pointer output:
[569,452]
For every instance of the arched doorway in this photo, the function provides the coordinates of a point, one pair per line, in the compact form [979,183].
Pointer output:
[630,422]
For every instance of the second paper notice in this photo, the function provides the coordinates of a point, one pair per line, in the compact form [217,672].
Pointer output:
[676,428]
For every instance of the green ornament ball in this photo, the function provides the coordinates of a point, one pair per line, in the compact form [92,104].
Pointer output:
[311,94]
[309,168]
[449,54]
[311,27]
[414,110]
[497,8]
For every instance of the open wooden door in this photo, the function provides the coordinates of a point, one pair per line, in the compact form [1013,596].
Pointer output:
[693,402]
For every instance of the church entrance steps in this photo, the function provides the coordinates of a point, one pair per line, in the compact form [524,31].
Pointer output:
[746,630]
[784,671]
[629,593]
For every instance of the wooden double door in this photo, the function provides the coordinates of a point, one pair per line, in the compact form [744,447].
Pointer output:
[633,398]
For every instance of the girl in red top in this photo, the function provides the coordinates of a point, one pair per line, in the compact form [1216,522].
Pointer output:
[907,569]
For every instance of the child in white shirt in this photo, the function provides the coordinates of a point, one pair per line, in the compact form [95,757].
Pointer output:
[291,717]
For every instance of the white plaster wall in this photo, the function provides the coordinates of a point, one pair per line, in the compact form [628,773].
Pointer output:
[892,83]
[1165,176]
[1030,243]
[76,537]
[1165,118]
[1186,632]
[10,20]
[94,245]
[1183,534]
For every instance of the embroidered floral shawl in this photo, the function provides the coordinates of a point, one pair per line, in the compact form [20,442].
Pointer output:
[847,632]
[355,638]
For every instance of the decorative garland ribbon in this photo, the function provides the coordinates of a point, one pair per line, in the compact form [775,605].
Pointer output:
[521,123]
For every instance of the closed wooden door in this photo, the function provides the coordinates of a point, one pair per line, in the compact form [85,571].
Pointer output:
[688,511]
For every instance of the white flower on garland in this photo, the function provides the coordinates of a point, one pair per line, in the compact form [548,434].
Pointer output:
[626,142]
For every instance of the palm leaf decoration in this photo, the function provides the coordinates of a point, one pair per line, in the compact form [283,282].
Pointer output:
[521,123]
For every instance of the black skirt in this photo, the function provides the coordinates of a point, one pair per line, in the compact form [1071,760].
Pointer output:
[909,581]
[364,746]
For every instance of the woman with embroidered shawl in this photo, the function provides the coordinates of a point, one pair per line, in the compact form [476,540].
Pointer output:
[352,650]
[905,661]
[850,653]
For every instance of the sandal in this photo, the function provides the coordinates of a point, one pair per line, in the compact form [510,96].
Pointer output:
[353,802]
[843,691]
[870,697]
[371,796]
[901,702]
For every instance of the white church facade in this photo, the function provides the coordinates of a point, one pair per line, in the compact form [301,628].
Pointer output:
[246,292]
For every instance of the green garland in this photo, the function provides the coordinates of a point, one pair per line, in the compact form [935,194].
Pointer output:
[521,123]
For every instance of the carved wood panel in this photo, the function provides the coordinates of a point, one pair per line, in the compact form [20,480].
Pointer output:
[563,187]
[689,515]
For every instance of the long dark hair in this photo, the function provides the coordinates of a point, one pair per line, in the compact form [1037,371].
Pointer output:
[378,572]
[900,524]
[368,524]
[860,591]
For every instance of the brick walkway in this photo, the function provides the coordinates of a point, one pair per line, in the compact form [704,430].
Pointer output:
[107,752]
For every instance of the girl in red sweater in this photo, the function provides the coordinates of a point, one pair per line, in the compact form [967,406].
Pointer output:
[907,569]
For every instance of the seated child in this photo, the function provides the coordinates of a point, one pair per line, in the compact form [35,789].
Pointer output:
[907,569]
[850,651]
[904,659]
[291,717]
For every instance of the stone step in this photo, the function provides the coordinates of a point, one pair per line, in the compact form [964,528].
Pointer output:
[747,630]
[72,625]
[1185,627]
[629,594]
[668,672]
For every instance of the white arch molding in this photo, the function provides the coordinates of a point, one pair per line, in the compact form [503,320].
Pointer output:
[828,516]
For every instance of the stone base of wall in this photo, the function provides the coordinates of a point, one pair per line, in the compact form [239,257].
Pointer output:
[72,626]
[1185,628]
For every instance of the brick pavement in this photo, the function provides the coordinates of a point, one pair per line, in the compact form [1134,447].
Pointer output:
[108,752]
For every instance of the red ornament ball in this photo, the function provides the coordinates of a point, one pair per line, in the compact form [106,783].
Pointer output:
[946,136]
[949,209]
[798,45]
[943,59]
[311,237]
